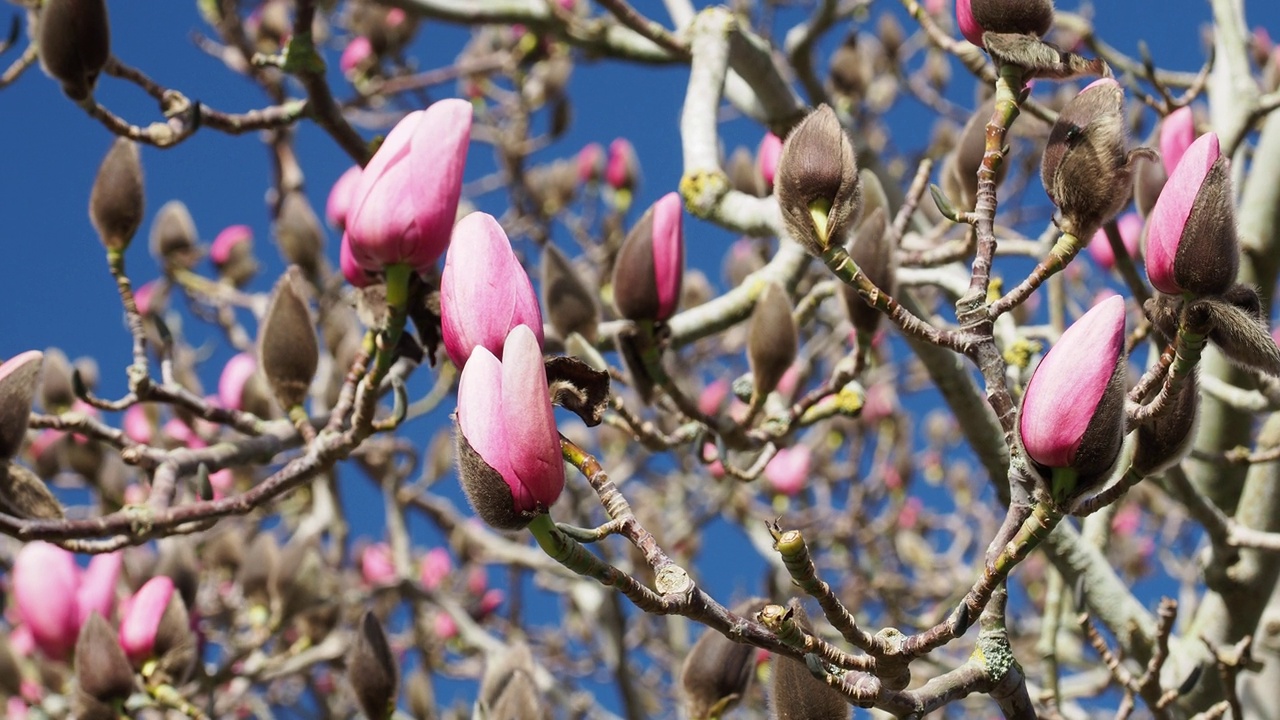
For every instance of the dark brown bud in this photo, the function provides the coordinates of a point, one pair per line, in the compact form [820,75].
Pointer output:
[116,203]
[19,380]
[743,173]
[1028,17]
[299,235]
[1240,333]
[1039,59]
[173,237]
[178,562]
[817,182]
[175,647]
[717,671]
[24,494]
[649,270]
[485,488]
[795,694]
[74,40]
[771,339]
[873,251]
[1149,178]
[421,695]
[508,689]
[849,72]
[10,670]
[56,392]
[1166,439]
[372,669]
[102,668]
[1085,169]
[288,350]
[571,305]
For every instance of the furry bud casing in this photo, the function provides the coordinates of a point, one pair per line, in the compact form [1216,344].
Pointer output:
[571,305]
[102,668]
[772,339]
[288,351]
[795,694]
[372,669]
[873,251]
[74,42]
[817,182]
[116,203]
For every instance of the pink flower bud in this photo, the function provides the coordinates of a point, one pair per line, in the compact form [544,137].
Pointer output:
[508,445]
[137,425]
[231,383]
[969,27]
[405,203]
[650,268]
[355,54]
[145,295]
[45,578]
[590,163]
[351,270]
[376,566]
[713,396]
[140,618]
[491,601]
[443,626]
[1130,226]
[1073,408]
[226,241]
[1022,17]
[222,482]
[767,157]
[622,169]
[484,291]
[436,566]
[1177,132]
[788,471]
[97,591]
[341,195]
[1191,234]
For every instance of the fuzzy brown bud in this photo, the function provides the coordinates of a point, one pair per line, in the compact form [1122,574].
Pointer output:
[56,392]
[173,237]
[1086,170]
[175,646]
[258,571]
[771,339]
[116,203]
[717,671]
[299,235]
[743,175]
[102,668]
[23,494]
[421,695]
[1039,59]
[1166,439]
[489,494]
[287,346]
[1149,178]
[74,42]
[372,669]
[795,694]
[873,251]
[19,380]
[817,182]
[1028,17]
[571,305]
[1238,329]
[508,689]
[849,71]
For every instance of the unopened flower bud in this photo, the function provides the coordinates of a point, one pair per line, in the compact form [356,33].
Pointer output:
[23,494]
[743,175]
[1072,421]
[1191,234]
[650,267]
[259,568]
[102,668]
[74,42]
[767,159]
[850,72]
[232,255]
[299,235]
[1177,132]
[116,203]
[571,305]
[590,163]
[1238,327]
[872,249]
[622,169]
[960,170]
[817,182]
[508,688]
[1129,226]
[19,381]
[788,472]
[173,237]
[772,339]
[288,351]
[340,197]
[44,582]
[1166,438]
[794,693]
[1149,178]
[372,669]
[1086,170]
[1024,17]
[717,671]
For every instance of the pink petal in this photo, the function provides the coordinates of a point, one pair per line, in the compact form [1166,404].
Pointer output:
[436,566]
[1173,207]
[788,471]
[533,438]
[45,578]
[1177,132]
[376,566]
[233,235]
[141,619]
[969,26]
[480,415]
[235,374]
[767,157]
[668,252]
[97,592]
[356,52]
[341,196]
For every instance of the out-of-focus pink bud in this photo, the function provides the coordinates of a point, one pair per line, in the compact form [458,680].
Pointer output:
[649,272]
[340,197]
[222,482]
[351,270]
[622,169]
[1177,132]
[484,291]
[444,626]
[1191,233]
[137,425]
[226,241]
[490,601]
[477,581]
[713,396]
[144,297]
[140,617]
[590,163]
[1073,410]
[355,54]
[45,578]
[508,445]
[1130,226]
[935,7]
[181,433]
[1127,520]
[16,709]
[231,383]
[1023,17]
[767,158]
[97,591]
[436,566]
[396,17]
[910,513]
[376,566]
[788,471]
[405,203]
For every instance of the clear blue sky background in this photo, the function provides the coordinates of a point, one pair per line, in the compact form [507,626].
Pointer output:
[53,281]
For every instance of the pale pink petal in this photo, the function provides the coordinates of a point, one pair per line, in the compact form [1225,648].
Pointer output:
[45,578]
[668,252]
[531,424]
[140,620]
[1173,207]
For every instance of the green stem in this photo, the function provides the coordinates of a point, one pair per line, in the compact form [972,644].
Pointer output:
[1063,252]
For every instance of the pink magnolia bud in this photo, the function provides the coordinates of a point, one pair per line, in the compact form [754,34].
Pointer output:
[1191,233]
[1023,17]
[1130,226]
[351,270]
[355,54]
[404,206]
[376,566]
[788,471]
[484,291]
[443,626]
[338,205]
[222,482]
[140,619]
[45,578]
[767,157]
[97,591]
[1073,409]
[713,396]
[969,26]
[622,170]
[235,374]
[436,566]
[650,269]
[508,445]
[590,163]
[138,427]
[490,601]
[227,240]
[1177,132]
[147,298]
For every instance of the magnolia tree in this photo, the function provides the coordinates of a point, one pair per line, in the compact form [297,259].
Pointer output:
[948,468]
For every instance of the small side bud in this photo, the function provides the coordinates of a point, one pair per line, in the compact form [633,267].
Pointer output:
[817,182]
[116,203]
[372,670]
[1166,439]
[287,345]
[771,339]
[508,689]
[1240,334]
[173,237]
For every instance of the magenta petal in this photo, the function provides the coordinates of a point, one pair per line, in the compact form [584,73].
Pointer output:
[668,252]
[531,423]
[484,291]
[1066,387]
[141,619]
[226,240]
[1173,207]
[767,157]
[969,26]
[480,415]
[376,565]
[356,52]
[788,471]
[235,374]
[341,197]
[1177,132]
[97,592]
[351,270]
[436,566]
[44,587]
[621,158]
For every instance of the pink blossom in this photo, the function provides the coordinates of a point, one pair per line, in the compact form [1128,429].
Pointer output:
[713,396]
[1179,260]
[45,580]
[376,566]
[788,472]
[590,163]
[668,252]
[137,424]
[222,482]
[143,297]
[436,566]
[97,591]
[354,54]
[767,157]
[490,601]
[140,617]
[341,196]
[1177,132]
[620,170]
[443,626]
[225,242]
[231,383]
[1130,226]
